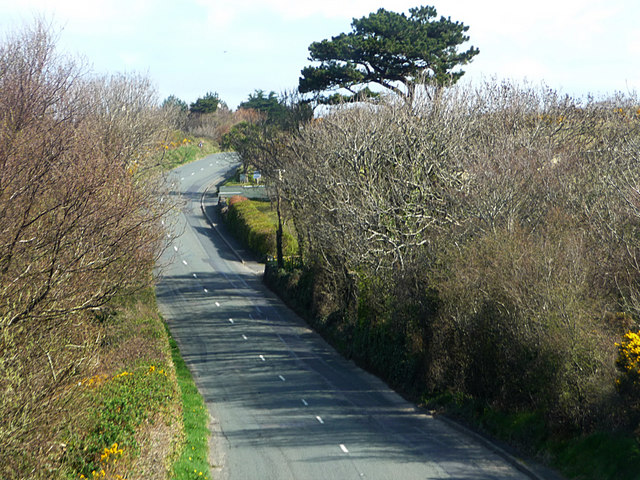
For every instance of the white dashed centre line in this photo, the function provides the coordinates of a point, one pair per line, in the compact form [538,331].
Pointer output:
[319,419]
[343,448]
[281,377]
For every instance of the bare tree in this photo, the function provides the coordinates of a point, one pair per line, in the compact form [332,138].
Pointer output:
[79,217]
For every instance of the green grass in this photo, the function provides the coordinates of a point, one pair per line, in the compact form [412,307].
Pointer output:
[124,402]
[131,393]
[193,461]
[235,179]
[178,152]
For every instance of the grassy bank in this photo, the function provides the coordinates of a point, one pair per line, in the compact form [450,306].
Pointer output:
[129,410]
[180,148]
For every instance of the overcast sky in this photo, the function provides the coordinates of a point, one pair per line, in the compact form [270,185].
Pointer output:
[233,47]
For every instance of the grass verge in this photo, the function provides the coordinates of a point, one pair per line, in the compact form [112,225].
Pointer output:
[183,148]
[128,410]
[192,462]
[124,420]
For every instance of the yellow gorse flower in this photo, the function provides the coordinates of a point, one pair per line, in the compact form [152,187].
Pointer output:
[628,361]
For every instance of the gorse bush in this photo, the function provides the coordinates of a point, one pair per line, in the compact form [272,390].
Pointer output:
[628,364]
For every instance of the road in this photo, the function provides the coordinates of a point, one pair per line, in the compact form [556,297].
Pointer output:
[283,403]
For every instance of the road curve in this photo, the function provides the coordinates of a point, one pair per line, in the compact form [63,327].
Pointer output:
[283,403]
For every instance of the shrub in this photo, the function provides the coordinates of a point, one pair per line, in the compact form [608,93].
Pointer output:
[628,365]
[257,229]
[511,216]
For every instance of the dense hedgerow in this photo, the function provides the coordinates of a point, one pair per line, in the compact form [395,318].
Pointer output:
[257,228]
[482,240]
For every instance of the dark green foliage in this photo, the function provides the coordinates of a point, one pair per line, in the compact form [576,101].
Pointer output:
[293,285]
[279,111]
[388,49]
[270,105]
[207,104]
[174,102]
[599,456]
[243,138]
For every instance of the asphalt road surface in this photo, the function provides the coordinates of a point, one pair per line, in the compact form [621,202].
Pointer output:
[283,403]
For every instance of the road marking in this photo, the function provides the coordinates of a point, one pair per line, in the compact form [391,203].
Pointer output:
[231,320]
[319,419]
[262,358]
[343,448]
[304,402]
[281,377]
[244,337]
